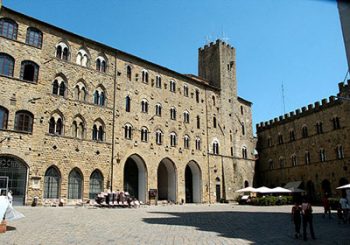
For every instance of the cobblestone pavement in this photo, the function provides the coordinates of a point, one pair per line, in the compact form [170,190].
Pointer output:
[175,224]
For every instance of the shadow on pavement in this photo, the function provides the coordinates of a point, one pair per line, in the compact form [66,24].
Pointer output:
[255,227]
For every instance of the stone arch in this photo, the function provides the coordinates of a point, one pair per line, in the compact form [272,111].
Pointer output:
[16,169]
[95,183]
[135,177]
[218,189]
[167,180]
[193,183]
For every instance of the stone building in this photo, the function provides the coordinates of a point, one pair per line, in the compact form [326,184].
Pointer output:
[78,117]
[308,148]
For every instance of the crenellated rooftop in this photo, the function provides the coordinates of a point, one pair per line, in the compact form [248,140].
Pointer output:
[211,44]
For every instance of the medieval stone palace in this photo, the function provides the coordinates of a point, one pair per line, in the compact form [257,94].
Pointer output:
[78,117]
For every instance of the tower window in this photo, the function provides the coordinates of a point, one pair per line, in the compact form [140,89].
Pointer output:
[34,37]
[29,71]
[8,28]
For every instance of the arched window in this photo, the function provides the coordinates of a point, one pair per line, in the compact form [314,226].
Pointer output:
[29,71]
[186,90]
[243,129]
[307,157]
[198,144]
[128,131]
[319,128]
[34,37]
[336,123]
[59,86]
[214,122]
[7,64]
[244,152]
[24,121]
[55,125]
[280,139]
[159,137]
[144,106]
[80,92]
[145,76]
[198,122]
[8,28]
[158,110]
[172,86]
[101,64]
[340,152]
[304,132]
[52,183]
[4,113]
[294,160]
[78,128]
[128,73]
[96,184]
[322,155]
[75,184]
[173,139]
[82,58]
[291,135]
[213,99]
[197,95]
[173,113]
[62,51]
[144,134]
[186,142]
[127,104]
[186,117]
[99,96]
[158,81]
[98,132]
[215,147]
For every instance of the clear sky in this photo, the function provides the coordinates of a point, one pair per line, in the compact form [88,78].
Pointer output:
[297,42]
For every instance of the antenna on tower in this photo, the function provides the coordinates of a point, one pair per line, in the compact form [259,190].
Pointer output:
[224,38]
[283,102]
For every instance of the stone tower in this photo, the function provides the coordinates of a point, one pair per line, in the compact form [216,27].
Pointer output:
[216,63]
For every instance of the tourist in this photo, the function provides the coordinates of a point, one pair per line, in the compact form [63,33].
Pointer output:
[345,207]
[307,218]
[296,218]
[326,206]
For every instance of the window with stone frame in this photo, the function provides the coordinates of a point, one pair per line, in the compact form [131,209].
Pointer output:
[100,96]
[34,37]
[173,113]
[186,117]
[336,123]
[52,180]
[172,86]
[62,51]
[244,152]
[128,131]
[80,92]
[59,86]
[8,28]
[198,144]
[159,137]
[186,90]
[144,106]
[144,134]
[198,122]
[128,72]
[101,64]
[56,125]
[304,132]
[158,81]
[29,71]
[186,142]
[95,184]
[340,152]
[319,128]
[145,76]
[322,155]
[158,110]
[197,95]
[83,58]
[4,114]
[24,121]
[98,130]
[173,139]
[127,104]
[216,147]
[7,65]
[307,157]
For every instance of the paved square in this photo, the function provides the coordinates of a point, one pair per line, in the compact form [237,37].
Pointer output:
[176,224]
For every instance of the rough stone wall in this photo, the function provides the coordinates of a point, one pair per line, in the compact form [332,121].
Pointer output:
[332,169]
[40,150]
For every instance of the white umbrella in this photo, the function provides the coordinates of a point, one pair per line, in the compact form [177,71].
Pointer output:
[344,187]
[296,190]
[247,189]
[280,190]
[264,189]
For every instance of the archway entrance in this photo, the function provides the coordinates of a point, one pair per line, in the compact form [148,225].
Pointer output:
[167,180]
[193,183]
[135,177]
[310,189]
[16,171]
[326,187]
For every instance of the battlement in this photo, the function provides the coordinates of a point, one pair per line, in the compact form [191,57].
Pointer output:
[344,89]
[311,108]
[213,44]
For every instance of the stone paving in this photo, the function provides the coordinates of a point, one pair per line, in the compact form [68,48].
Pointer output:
[173,224]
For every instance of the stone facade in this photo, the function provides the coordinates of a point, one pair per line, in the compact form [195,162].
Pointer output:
[210,157]
[310,145]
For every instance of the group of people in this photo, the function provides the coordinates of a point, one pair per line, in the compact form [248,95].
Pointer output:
[303,213]
[116,199]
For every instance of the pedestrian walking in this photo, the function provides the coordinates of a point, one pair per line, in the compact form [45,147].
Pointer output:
[307,219]
[326,206]
[296,219]
[345,207]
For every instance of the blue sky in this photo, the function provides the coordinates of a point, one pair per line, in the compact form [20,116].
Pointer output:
[297,42]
